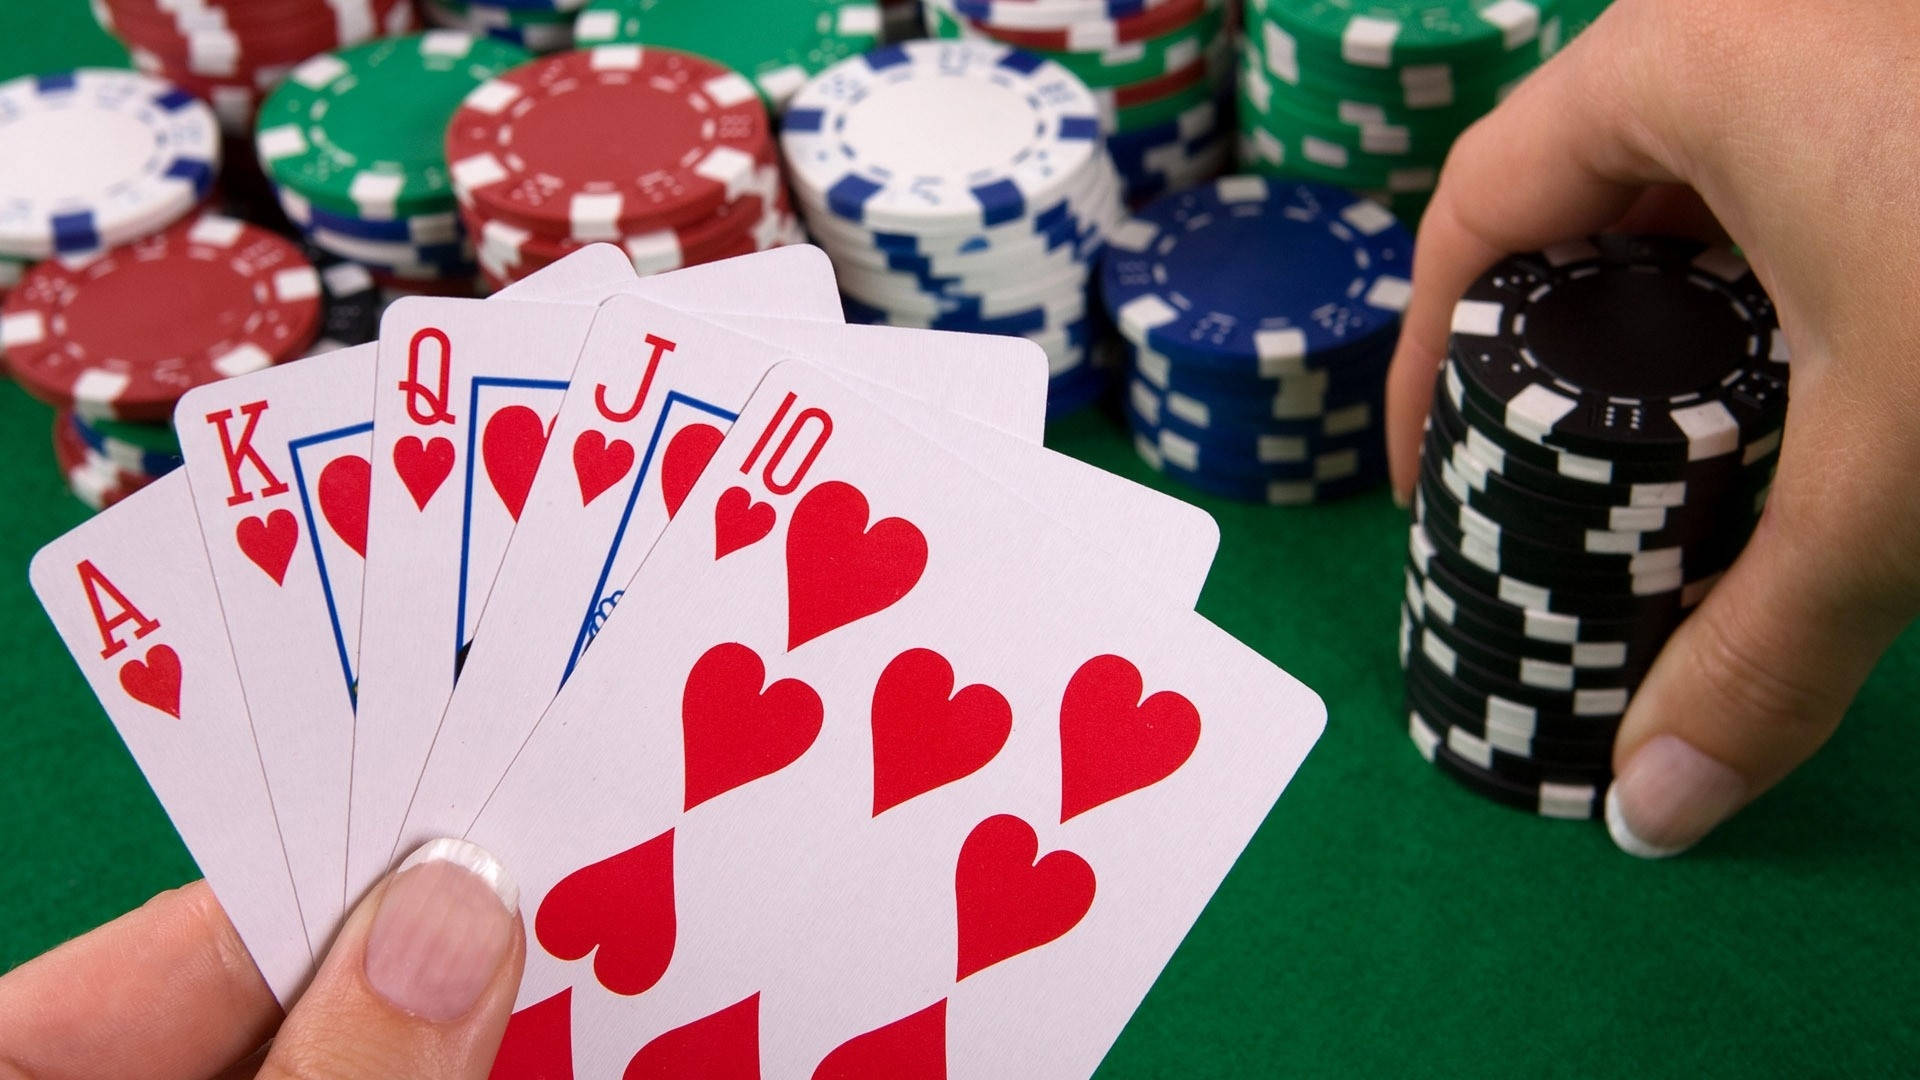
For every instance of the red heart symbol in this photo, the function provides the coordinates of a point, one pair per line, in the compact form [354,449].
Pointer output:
[345,490]
[735,732]
[722,1046]
[599,464]
[511,446]
[538,1044]
[1006,901]
[269,542]
[686,458]
[911,1048]
[739,522]
[156,681]
[423,467]
[838,570]
[623,906]
[1111,742]
[925,735]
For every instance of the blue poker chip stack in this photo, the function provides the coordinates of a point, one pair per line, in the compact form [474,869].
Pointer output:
[1260,316]
[960,185]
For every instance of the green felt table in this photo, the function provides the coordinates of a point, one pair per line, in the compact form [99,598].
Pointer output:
[1383,922]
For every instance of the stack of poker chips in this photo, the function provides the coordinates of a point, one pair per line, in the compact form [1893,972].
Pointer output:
[94,158]
[779,44]
[352,141]
[960,185]
[667,154]
[112,342]
[1602,438]
[105,461]
[1370,94]
[230,53]
[1162,72]
[540,26]
[1261,315]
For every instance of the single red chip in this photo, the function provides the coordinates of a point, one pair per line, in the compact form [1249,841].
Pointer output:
[609,142]
[124,335]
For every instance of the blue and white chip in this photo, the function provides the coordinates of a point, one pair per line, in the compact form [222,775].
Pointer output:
[940,136]
[1258,275]
[94,158]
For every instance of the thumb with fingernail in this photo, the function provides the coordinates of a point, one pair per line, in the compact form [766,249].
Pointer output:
[420,981]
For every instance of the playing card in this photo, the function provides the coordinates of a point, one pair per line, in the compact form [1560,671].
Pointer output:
[1001,394]
[899,778]
[132,596]
[467,392]
[280,463]
[653,395]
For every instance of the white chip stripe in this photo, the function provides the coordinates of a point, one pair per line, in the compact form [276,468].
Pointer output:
[1517,20]
[23,328]
[781,83]
[1145,313]
[471,174]
[857,20]
[729,90]
[732,168]
[1368,41]
[1280,351]
[654,252]
[319,72]
[376,194]
[97,388]
[595,216]
[243,360]
[593,27]
[1281,51]
[1192,410]
[1711,429]
[296,283]
[1478,318]
[453,43]
[492,97]
[1425,739]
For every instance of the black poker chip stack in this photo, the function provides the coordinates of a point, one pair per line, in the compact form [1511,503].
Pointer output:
[1603,435]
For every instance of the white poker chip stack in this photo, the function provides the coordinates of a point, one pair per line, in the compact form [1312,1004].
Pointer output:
[960,185]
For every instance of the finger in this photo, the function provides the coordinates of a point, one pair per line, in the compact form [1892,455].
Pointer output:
[420,980]
[166,991]
[1758,677]
[1565,156]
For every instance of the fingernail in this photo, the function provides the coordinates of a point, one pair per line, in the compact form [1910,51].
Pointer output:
[1401,499]
[443,929]
[1668,797]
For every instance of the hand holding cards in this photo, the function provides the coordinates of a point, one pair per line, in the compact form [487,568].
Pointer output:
[831,725]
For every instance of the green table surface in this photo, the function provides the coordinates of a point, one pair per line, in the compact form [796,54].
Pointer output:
[1383,922]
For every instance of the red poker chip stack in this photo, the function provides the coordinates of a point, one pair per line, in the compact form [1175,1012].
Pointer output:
[667,154]
[231,52]
[123,336]
[92,477]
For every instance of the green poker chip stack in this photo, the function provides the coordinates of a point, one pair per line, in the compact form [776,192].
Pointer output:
[354,143]
[779,44]
[1371,94]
